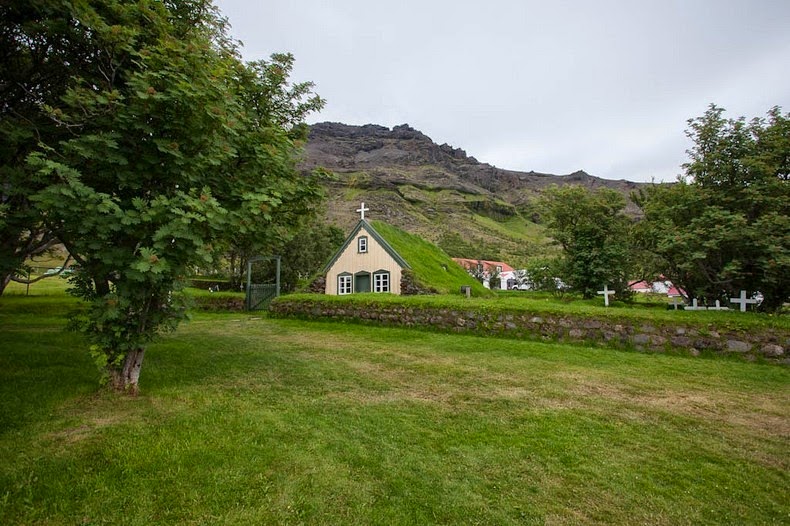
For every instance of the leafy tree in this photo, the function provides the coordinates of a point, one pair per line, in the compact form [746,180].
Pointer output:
[304,253]
[37,57]
[494,278]
[725,225]
[521,278]
[542,275]
[485,273]
[166,145]
[477,271]
[286,105]
[593,231]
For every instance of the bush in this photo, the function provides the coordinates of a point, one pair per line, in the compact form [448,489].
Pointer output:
[215,301]
[212,284]
[542,276]
[219,302]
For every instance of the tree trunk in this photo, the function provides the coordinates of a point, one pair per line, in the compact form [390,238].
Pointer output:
[125,379]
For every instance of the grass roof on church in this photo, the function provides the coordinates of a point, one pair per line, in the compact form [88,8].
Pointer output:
[432,267]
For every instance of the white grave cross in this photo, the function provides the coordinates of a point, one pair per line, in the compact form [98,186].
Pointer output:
[718,307]
[743,300]
[606,293]
[694,306]
[362,211]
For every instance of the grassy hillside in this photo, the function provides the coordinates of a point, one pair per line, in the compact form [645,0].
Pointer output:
[423,188]
[439,212]
[431,266]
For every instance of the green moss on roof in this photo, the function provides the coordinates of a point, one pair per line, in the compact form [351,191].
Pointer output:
[431,266]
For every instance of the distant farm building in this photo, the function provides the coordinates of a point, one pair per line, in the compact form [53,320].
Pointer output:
[488,271]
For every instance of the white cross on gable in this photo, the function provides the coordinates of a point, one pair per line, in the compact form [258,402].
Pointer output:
[743,300]
[362,211]
[606,293]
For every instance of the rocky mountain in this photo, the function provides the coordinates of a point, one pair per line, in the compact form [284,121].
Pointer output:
[436,191]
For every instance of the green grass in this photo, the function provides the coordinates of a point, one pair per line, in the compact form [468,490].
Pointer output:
[247,420]
[53,286]
[430,264]
[515,228]
[534,302]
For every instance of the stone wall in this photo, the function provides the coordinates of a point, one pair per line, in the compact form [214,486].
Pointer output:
[769,344]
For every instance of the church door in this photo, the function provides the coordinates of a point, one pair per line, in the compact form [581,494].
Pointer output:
[362,282]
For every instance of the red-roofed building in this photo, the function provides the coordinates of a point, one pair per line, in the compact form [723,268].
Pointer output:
[641,286]
[662,286]
[675,292]
[488,269]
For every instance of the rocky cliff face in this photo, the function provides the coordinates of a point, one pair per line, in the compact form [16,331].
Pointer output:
[347,148]
[430,189]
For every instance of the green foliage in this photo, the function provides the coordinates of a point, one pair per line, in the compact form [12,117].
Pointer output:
[35,68]
[724,227]
[166,146]
[278,103]
[541,275]
[477,270]
[431,266]
[303,254]
[594,233]
[203,300]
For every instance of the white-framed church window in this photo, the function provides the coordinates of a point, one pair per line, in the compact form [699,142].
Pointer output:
[362,244]
[344,284]
[381,282]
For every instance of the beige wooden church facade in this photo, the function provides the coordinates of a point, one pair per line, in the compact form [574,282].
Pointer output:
[365,263]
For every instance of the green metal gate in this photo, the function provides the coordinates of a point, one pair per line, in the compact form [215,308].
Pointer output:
[260,295]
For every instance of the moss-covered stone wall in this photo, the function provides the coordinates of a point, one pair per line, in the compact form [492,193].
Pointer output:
[768,344]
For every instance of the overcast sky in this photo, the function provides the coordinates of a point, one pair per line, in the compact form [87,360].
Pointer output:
[552,86]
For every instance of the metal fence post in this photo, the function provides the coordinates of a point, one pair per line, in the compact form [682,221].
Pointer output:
[277,294]
[249,281]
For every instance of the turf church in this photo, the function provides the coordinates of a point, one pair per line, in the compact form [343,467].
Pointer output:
[365,263]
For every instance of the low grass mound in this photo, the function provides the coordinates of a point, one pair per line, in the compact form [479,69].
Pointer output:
[431,266]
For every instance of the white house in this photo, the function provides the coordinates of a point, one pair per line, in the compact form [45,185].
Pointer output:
[488,269]
[660,286]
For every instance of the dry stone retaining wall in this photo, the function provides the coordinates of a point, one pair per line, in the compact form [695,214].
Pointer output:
[769,344]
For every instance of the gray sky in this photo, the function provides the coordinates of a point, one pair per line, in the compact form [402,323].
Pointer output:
[552,86]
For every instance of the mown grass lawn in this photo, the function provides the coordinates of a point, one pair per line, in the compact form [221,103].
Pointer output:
[247,420]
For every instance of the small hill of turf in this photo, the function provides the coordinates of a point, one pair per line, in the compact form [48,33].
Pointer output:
[431,266]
